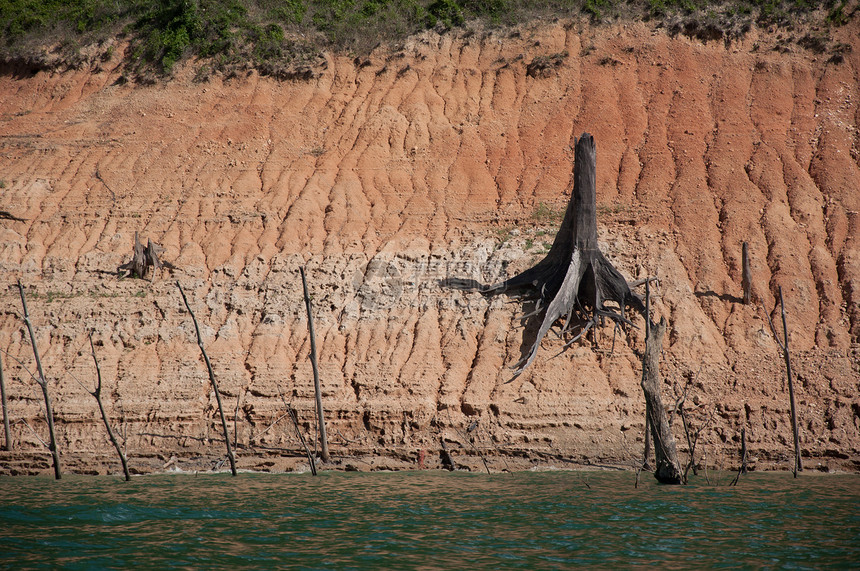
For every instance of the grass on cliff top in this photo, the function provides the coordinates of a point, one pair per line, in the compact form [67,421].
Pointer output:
[278,36]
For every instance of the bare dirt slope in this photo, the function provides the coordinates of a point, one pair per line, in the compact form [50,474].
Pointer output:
[383,175]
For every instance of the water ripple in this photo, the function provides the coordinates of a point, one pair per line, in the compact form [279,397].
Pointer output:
[427,520]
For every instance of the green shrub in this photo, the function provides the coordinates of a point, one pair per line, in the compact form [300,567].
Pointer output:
[288,12]
[594,8]
[265,34]
[494,10]
[168,30]
[446,12]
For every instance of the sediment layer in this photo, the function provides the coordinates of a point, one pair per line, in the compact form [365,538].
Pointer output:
[384,175]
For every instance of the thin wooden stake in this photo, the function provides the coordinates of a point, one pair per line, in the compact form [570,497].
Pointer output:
[470,439]
[236,422]
[746,273]
[98,396]
[743,467]
[214,382]
[302,440]
[7,444]
[798,465]
[647,452]
[317,390]
[43,382]
[691,445]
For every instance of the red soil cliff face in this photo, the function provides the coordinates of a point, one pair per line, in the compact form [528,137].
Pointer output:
[386,174]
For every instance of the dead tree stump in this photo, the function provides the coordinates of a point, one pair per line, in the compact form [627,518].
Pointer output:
[667,469]
[574,280]
[142,259]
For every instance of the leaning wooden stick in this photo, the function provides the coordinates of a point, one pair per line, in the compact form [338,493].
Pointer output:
[317,389]
[743,467]
[97,394]
[310,456]
[798,464]
[212,379]
[7,444]
[647,452]
[43,382]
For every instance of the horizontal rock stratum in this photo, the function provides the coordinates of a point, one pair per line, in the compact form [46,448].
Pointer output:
[382,176]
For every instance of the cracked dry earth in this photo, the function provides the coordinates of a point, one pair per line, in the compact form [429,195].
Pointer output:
[383,175]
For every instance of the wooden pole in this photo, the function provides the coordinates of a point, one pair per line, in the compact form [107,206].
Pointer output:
[746,273]
[743,466]
[691,444]
[317,390]
[667,468]
[43,383]
[647,453]
[7,444]
[798,464]
[310,456]
[230,455]
[98,396]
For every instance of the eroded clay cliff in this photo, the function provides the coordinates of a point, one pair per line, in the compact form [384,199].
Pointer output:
[384,175]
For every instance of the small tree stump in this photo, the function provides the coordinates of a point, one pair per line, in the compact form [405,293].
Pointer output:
[142,259]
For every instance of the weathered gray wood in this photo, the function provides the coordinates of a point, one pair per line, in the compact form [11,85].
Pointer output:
[142,259]
[798,463]
[746,277]
[7,443]
[667,468]
[692,437]
[151,254]
[743,467]
[43,383]
[230,455]
[310,456]
[646,465]
[317,389]
[447,459]
[136,267]
[97,394]
[574,280]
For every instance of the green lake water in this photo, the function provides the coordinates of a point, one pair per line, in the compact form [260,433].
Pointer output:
[429,520]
